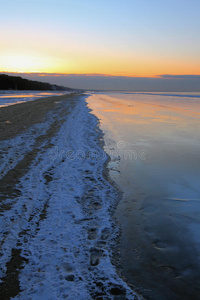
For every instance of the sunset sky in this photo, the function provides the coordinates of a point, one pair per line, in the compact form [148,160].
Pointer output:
[130,38]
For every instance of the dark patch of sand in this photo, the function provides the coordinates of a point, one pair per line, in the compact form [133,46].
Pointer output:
[18,117]
[9,287]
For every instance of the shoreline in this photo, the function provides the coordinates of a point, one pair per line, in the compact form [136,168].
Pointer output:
[116,258]
[59,207]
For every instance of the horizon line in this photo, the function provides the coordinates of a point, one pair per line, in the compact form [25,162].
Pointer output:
[160,76]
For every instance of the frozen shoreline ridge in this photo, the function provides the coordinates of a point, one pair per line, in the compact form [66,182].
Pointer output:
[56,221]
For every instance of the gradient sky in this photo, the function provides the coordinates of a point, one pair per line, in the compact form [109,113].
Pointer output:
[133,38]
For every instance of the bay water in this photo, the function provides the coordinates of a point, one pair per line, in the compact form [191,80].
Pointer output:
[153,140]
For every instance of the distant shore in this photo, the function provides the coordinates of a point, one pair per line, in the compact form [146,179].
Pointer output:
[18,83]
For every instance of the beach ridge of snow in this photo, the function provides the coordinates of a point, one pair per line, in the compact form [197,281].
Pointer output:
[61,223]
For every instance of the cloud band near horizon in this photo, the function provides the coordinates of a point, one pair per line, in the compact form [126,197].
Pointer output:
[164,82]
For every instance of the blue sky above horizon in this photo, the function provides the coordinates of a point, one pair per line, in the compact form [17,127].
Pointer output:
[134,38]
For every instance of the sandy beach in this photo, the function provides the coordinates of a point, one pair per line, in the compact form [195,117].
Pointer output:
[64,231]
[16,118]
[56,223]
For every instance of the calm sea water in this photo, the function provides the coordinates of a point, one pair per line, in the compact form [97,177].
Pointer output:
[153,140]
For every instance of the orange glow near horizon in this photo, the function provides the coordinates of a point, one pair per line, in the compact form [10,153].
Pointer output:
[107,64]
[29,52]
[82,37]
[26,64]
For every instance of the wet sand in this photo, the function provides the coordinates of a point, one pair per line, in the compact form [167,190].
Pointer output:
[18,117]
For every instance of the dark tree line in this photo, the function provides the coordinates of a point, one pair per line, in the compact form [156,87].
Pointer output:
[18,83]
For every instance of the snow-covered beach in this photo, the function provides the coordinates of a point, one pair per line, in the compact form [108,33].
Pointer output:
[100,196]
[56,225]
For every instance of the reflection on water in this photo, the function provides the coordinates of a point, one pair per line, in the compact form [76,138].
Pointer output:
[160,209]
[13,97]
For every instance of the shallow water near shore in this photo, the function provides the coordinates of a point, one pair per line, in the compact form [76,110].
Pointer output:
[10,97]
[154,144]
